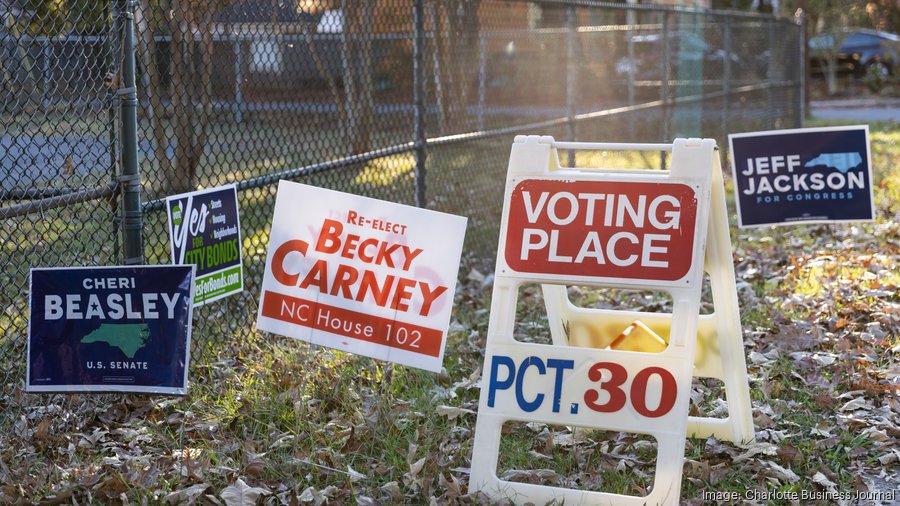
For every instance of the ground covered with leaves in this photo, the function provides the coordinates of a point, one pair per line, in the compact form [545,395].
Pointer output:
[274,421]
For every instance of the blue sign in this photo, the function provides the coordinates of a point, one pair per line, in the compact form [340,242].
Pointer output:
[205,230]
[810,175]
[110,329]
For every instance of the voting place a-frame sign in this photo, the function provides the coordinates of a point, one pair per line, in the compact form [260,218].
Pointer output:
[720,349]
[629,229]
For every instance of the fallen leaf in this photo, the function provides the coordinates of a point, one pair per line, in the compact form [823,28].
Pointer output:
[756,448]
[393,489]
[823,480]
[42,429]
[416,467]
[783,473]
[815,431]
[355,476]
[255,469]
[788,453]
[855,404]
[311,496]
[823,400]
[758,358]
[188,495]
[534,476]
[889,458]
[241,494]
[452,412]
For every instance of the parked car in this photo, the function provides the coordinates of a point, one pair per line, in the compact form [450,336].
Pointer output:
[861,52]
[683,47]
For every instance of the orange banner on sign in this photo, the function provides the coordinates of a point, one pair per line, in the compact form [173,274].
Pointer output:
[352,324]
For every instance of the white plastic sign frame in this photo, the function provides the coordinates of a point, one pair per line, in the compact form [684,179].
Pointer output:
[588,387]
[720,343]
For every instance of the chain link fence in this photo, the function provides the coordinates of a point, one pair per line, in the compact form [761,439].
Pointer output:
[414,102]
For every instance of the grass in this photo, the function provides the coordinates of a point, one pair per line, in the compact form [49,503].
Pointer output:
[292,418]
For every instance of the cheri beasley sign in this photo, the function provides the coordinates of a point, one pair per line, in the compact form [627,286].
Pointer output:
[110,329]
[361,275]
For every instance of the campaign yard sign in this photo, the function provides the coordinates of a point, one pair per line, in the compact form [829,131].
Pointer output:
[808,175]
[205,230]
[110,329]
[361,275]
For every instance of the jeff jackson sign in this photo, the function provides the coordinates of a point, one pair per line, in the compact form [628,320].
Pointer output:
[626,230]
[110,329]
[807,175]
[361,275]
[205,230]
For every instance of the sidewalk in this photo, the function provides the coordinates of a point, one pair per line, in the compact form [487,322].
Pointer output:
[863,109]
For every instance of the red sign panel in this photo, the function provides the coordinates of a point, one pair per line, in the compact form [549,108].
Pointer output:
[353,324]
[607,229]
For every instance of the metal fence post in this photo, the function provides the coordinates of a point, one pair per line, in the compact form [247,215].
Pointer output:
[630,21]
[726,76]
[419,99]
[770,91]
[571,74]
[46,74]
[482,79]
[132,223]
[804,69]
[664,87]
[238,78]
[114,42]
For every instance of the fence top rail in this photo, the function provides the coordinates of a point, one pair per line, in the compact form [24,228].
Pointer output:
[674,9]
[70,37]
[58,201]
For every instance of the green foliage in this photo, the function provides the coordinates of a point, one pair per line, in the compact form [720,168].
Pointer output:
[62,17]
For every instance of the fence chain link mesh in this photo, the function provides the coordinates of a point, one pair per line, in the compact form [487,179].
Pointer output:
[323,93]
[58,157]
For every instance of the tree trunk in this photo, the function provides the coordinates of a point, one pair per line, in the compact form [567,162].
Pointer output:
[349,71]
[464,25]
[180,50]
[9,25]
[831,74]
[356,53]
[436,56]
[190,125]
[153,90]
[329,79]
[363,139]
[455,45]
[202,129]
